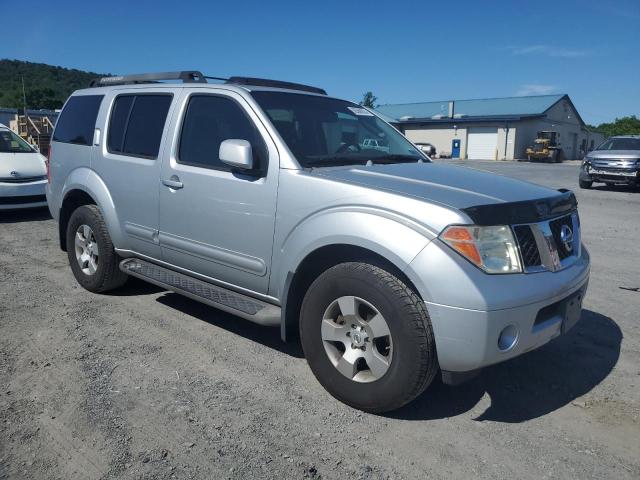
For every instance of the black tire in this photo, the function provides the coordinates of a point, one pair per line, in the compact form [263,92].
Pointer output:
[585,183]
[414,362]
[107,275]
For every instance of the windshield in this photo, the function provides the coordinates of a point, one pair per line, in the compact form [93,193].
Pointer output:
[12,143]
[620,144]
[322,131]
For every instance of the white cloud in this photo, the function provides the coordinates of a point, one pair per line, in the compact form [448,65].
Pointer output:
[548,50]
[536,89]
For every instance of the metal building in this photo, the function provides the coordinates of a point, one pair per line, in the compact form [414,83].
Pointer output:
[493,128]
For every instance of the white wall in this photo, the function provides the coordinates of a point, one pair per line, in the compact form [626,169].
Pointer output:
[441,137]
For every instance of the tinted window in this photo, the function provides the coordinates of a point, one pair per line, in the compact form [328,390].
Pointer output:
[78,120]
[208,122]
[136,124]
[118,122]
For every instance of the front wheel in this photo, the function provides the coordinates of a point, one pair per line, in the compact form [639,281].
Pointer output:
[585,183]
[367,337]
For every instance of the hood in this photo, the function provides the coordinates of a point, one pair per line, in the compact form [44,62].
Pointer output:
[617,154]
[453,186]
[24,165]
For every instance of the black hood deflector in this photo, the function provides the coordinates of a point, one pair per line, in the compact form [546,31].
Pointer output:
[528,211]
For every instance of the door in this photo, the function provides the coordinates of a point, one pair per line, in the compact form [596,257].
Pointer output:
[455,148]
[574,147]
[215,221]
[128,161]
[482,143]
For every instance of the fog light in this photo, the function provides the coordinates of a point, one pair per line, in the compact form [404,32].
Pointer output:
[508,338]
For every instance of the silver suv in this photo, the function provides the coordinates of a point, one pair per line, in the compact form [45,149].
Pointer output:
[262,198]
[615,161]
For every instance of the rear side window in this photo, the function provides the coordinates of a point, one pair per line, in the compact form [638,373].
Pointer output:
[78,120]
[136,124]
[209,121]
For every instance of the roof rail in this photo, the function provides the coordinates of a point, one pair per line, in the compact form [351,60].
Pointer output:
[263,82]
[197,77]
[186,77]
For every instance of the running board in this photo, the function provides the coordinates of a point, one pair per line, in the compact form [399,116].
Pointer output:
[224,299]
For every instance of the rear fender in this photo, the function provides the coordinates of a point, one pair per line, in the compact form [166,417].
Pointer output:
[88,181]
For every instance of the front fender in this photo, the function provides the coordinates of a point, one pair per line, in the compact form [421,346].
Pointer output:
[385,233]
[89,181]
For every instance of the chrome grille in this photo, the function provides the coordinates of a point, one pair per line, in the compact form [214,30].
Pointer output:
[614,165]
[544,247]
[528,246]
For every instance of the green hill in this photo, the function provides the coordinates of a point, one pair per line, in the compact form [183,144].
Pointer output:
[46,86]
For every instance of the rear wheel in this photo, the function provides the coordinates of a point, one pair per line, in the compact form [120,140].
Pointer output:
[367,337]
[92,257]
[585,183]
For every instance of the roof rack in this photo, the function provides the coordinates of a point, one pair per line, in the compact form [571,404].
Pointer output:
[186,77]
[194,76]
[263,82]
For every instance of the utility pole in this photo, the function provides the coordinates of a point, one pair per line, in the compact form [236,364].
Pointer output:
[24,97]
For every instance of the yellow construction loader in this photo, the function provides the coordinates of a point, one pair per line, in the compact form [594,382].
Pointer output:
[546,148]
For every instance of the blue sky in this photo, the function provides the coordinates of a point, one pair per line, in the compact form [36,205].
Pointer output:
[402,51]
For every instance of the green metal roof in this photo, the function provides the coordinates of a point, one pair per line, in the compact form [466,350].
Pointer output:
[485,107]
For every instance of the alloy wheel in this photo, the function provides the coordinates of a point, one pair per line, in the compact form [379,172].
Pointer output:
[86,249]
[357,339]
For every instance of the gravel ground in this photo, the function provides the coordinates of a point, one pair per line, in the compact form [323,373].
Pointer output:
[146,384]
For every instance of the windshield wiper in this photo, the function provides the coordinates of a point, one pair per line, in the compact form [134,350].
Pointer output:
[339,160]
[396,157]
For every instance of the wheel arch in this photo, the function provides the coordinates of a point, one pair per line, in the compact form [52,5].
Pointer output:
[85,187]
[318,261]
[72,201]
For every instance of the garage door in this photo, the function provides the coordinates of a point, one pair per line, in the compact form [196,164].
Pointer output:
[482,143]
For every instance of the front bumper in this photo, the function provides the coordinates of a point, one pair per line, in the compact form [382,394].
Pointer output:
[631,177]
[472,338]
[469,309]
[14,196]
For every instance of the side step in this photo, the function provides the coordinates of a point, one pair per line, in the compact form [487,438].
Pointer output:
[233,302]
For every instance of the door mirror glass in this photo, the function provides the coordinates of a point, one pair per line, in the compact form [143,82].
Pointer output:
[236,153]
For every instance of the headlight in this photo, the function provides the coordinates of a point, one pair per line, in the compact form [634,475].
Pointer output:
[493,249]
[586,162]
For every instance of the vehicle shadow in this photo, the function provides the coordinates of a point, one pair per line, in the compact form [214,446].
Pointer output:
[533,384]
[616,188]
[27,215]
[267,336]
[135,287]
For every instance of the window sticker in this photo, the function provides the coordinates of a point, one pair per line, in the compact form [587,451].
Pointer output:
[361,111]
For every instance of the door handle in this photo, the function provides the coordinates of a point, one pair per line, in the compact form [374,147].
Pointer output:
[173,182]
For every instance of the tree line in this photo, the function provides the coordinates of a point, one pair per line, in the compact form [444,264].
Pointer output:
[620,126]
[45,86]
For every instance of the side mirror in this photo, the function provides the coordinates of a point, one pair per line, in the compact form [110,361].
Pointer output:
[236,153]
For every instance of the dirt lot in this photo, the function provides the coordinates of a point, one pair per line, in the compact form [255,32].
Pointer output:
[147,384]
